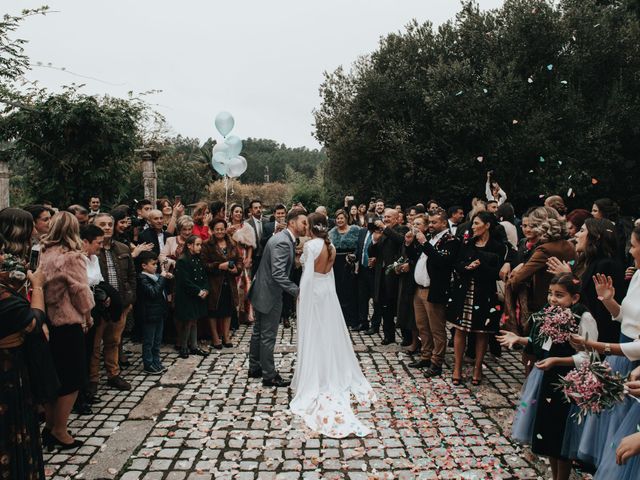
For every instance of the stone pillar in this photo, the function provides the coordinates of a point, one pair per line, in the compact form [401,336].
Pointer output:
[5,175]
[149,175]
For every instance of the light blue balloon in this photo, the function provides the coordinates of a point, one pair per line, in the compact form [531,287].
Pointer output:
[221,157]
[219,163]
[224,123]
[236,166]
[234,145]
[220,147]
[221,168]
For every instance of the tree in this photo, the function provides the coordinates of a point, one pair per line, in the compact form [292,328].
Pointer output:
[183,170]
[76,145]
[545,94]
[13,61]
[263,154]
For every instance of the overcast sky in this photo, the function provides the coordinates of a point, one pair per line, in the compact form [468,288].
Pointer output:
[261,60]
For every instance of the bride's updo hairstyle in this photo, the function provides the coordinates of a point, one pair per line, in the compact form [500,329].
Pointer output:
[319,226]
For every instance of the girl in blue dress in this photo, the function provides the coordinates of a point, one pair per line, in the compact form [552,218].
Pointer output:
[590,439]
[542,411]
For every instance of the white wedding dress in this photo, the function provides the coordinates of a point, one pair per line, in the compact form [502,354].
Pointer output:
[327,372]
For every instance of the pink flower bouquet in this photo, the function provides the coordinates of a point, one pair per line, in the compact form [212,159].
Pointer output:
[556,324]
[593,387]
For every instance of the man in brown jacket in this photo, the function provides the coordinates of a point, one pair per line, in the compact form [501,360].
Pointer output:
[116,265]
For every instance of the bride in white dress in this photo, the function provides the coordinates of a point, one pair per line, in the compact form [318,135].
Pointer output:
[327,372]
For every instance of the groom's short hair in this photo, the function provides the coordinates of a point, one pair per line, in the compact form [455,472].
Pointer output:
[294,213]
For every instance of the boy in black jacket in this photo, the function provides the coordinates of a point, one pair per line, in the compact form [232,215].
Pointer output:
[152,308]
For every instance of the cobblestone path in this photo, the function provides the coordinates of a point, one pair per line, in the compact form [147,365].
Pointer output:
[204,419]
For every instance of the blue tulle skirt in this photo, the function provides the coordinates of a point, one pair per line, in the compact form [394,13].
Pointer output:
[587,441]
[608,469]
[525,416]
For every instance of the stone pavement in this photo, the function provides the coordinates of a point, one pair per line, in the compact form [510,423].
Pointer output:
[204,419]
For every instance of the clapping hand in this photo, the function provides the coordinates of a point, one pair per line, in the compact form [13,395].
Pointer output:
[203,294]
[408,237]
[143,247]
[555,266]
[604,287]
[629,273]
[421,238]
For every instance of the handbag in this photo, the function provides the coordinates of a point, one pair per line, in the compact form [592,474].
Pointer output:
[102,292]
[43,378]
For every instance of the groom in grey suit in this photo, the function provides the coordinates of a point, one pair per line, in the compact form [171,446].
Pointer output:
[272,278]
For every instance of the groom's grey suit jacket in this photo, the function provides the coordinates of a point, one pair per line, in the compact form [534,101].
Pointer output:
[272,277]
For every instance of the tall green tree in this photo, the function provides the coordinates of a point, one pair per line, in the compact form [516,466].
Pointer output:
[75,145]
[272,158]
[543,93]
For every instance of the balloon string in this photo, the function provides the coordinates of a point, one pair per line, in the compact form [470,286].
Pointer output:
[226,193]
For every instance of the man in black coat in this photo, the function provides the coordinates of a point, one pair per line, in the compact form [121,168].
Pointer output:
[274,226]
[433,257]
[155,234]
[386,248]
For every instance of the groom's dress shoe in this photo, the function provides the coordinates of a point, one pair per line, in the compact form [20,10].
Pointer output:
[361,328]
[255,373]
[387,341]
[276,381]
[371,331]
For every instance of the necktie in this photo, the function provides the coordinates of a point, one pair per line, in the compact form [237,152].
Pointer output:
[365,251]
[258,224]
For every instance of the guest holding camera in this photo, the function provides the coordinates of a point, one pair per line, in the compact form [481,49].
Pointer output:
[275,225]
[223,263]
[345,239]
[21,320]
[493,191]
[386,247]
[434,256]
[201,219]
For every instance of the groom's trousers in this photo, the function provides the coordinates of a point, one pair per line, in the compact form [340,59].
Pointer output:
[263,341]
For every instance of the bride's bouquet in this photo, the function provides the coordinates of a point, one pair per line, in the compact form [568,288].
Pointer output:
[556,325]
[593,387]
[392,268]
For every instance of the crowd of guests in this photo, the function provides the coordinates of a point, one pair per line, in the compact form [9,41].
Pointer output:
[74,282]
